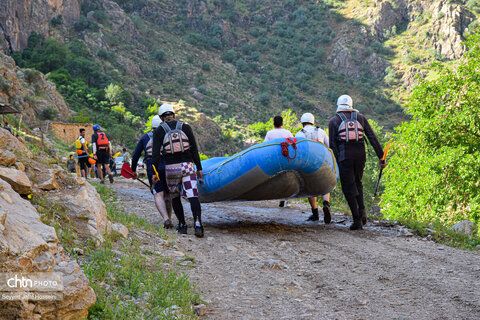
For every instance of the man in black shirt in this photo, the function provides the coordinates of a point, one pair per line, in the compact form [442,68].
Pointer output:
[174,142]
[346,136]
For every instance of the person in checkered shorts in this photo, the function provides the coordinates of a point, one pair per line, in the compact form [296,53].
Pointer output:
[174,142]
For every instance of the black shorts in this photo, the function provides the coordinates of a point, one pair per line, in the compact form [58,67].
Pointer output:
[83,162]
[103,156]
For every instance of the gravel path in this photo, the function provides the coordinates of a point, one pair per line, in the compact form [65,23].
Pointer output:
[258,261]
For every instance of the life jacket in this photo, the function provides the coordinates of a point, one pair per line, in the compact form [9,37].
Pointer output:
[78,145]
[102,140]
[149,146]
[350,130]
[312,135]
[175,141]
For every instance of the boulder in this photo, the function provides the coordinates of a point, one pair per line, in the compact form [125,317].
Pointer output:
[48,180]
[19,166]
[17,179]
[85,209]
[121,229]
[7,158]
[465,226]
[222,105]
[27,245]
[10,142]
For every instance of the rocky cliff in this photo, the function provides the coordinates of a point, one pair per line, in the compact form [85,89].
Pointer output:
[29,246]
[30,92]
[18,19]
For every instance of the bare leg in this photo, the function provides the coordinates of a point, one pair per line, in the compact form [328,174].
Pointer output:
[313,202]
[161,207]
[100,171]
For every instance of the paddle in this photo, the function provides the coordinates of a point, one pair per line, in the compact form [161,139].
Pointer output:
[128,173]
[381,169]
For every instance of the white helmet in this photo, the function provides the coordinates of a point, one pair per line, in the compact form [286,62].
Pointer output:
[165,108]
[307,118]
[156,121]
[345,100]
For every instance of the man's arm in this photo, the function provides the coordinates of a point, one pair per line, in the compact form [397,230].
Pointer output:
[193,146]
[372,138]
[94,143]
[137,154]
[332,132]
[158,136]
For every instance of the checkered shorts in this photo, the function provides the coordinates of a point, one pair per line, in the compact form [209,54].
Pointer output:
[181,180]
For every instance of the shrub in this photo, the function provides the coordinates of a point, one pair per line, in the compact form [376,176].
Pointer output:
[264,98]
[56,21]
[433,175]
[49,113]
[102,53]
[229,56]
[100,15]
[206,66]
[159,55]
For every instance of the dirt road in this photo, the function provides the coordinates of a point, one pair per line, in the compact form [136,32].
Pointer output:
[258,261]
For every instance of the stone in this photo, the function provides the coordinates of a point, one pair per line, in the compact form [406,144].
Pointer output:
[28,245]
[121,229]
[19,166]
[17,179]
[85,209]
[7,158]
[222,105]
[465,226]
[48,180]
[10,143]
[200,310]
[192,90]
[198,95]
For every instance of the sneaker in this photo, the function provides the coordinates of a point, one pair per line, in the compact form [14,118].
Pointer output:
[356,226]
[182,228]
[199,231]
[102,181]
[288,204]
[327,217]
[281,204]
[363,214]
[167,224]
[110,177]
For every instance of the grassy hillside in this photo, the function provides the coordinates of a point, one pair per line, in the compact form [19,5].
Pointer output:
[239,62]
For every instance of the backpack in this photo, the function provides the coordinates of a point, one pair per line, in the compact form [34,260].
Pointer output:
[175,141]
[149,146]
[313,135]
[78,143]
[350,129]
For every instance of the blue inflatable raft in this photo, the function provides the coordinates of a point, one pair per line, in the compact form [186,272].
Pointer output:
[262,172]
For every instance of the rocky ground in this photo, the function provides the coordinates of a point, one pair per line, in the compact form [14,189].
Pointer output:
[258,261]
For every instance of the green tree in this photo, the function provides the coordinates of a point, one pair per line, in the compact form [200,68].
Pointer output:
[435,172]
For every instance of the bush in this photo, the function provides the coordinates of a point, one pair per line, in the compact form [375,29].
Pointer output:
[159,55]
[206,66]
[56,21]
[85,24]
[100,15]
[433,175]
[102,53]
[264,98]
[49,113]
[229,56]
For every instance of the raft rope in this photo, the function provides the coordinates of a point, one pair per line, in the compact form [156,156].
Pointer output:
[285,145]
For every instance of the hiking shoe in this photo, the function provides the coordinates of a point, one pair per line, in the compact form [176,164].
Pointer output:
[182,229]
[356,226]
[288,204]
[327,217]
[110,177]
[199,231]
[363,215]
[102,181]
[281,204]
[167,224]
[314,216]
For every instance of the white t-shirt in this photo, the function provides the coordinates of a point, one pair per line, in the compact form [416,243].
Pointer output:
[278,133]
[313,133]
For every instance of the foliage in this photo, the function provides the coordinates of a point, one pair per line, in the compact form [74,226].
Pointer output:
[131,282]
[435,172]
[82,83]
